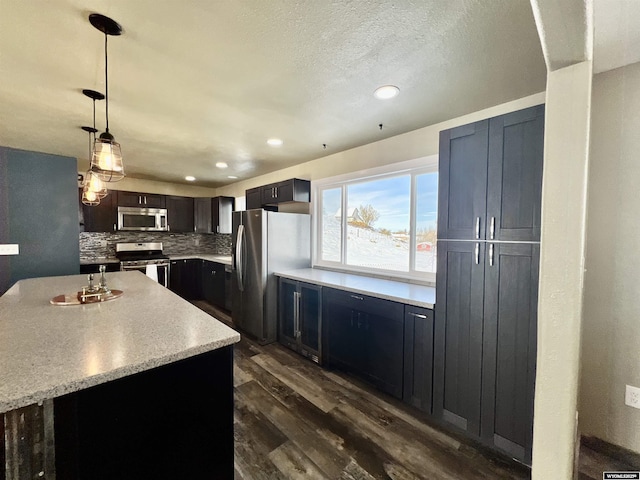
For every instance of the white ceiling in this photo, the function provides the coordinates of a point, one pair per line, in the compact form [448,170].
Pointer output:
[192,83]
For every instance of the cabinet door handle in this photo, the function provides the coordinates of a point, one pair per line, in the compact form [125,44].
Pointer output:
[139,199]
[218,229]
[492,228]
[114,227]
[276,192]
[491,255]
[478,228]
[419,315]
[477,253]
[145,199]
[356,297]
[296,314]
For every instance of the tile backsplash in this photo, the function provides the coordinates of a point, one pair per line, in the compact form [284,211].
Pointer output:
[103,245]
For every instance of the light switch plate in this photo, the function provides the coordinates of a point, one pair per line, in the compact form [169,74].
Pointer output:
[9,249]
[632,396]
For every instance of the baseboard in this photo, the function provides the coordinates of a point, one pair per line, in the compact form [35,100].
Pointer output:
[614,451]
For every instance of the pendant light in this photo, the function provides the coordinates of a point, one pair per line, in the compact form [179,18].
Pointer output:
[106,160]
[93,188]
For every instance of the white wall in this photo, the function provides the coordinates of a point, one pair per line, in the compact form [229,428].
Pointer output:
[611,325]
[564,190]
[416,144]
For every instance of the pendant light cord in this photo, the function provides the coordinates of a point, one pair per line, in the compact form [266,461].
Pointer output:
[106,82]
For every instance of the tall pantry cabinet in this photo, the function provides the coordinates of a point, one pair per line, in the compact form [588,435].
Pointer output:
[490,181]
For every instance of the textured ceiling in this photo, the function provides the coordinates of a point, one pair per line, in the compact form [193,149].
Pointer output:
[193,83]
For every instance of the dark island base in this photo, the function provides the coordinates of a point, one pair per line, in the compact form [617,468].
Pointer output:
[175,421]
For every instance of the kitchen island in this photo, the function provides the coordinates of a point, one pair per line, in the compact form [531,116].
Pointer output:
[137,387]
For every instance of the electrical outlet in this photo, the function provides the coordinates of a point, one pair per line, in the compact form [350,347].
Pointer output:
[632,396]
[9,249]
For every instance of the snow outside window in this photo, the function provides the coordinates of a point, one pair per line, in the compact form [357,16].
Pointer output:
[379,223]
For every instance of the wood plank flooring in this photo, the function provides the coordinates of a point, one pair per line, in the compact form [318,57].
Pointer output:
[296,420]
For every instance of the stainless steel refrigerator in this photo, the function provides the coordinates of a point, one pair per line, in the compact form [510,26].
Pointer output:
[263,243]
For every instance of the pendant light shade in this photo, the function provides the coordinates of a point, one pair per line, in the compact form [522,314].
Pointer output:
[93,188]
[90,198]
[106,159]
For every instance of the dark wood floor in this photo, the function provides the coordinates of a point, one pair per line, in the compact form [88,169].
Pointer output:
[296,420]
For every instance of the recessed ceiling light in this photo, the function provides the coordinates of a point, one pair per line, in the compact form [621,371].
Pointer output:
[386,92]
[274,142]
[232,177]
[189,178]
[221,165]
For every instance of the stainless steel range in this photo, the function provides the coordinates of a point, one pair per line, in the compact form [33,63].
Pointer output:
[146,257]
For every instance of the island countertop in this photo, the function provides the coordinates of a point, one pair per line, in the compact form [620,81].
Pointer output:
[47,351]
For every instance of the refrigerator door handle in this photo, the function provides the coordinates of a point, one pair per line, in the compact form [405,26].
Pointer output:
[240,257]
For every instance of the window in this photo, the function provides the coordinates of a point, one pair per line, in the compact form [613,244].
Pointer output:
[380,221]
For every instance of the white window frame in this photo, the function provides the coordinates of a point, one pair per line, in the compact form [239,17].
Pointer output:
[414,167]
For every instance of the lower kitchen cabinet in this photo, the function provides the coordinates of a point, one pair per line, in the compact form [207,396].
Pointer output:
[213,283]
[365,336]
[300,318]
[184,278]
[418,357]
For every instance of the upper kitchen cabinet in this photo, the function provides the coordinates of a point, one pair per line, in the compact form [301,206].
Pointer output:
[253,198]
[462,181]
[292,190]
[180,215]
[221,210]
[145,200]
[490,178]
[516,145]
[202,215]
[99,218]
[213,215]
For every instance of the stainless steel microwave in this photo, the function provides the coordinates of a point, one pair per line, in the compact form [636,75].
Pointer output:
[142,219]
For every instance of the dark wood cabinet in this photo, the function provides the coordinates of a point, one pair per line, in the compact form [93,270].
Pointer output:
[458,334]
[99,218]
[185,278]
[300,318]
[418,357]
[136,199]
[509,347]
[462,181]
[95,267]
[269,196]
[514,176]
[213,215]
[253,198]
[292,190]
[486,283]
[221,212]
[490,178]
[213,283]
[202,215]
[365,336]
[180,215]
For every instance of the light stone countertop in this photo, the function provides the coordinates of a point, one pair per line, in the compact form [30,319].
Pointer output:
[408,293]
[47,350]
[224,259]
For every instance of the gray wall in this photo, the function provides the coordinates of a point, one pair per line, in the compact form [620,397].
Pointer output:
[38,211]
